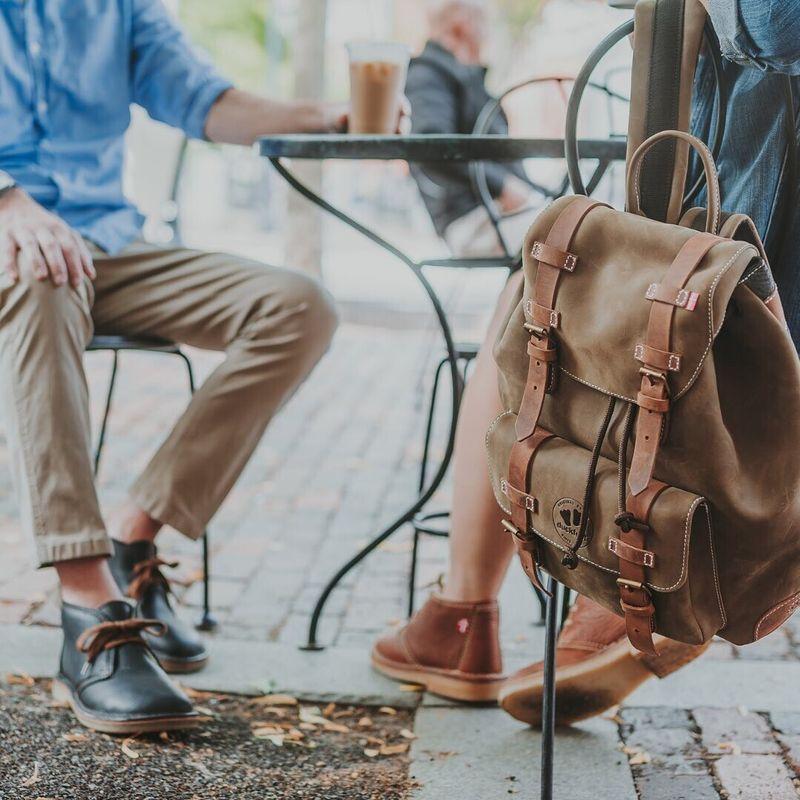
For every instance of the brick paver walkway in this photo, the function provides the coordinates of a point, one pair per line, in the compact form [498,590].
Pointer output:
[340,463]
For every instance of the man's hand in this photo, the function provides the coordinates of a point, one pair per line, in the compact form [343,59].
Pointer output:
[36,240]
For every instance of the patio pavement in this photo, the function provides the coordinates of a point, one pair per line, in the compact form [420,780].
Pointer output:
[337,465]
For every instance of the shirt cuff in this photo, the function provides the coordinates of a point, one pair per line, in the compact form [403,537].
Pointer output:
[194,123]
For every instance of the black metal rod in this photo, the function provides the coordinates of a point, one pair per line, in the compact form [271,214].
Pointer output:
[549,690]
[101,439]
[417,268]
[423,469]
[207,621]
[412,575]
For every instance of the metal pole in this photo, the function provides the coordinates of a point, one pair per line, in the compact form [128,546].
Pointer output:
[549,694]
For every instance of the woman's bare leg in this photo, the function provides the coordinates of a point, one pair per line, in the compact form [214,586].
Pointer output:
[480,551]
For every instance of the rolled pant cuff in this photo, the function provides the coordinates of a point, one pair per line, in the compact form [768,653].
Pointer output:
[166,514]
[68,547]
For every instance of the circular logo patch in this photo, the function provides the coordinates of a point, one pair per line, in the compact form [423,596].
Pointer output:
[567,514]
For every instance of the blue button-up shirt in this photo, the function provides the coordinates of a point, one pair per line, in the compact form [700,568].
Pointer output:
[69,70]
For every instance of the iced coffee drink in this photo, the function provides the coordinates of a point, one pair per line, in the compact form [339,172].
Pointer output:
[377,79]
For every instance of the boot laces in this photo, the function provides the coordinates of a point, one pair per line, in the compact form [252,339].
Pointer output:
[147,574]
[109,635]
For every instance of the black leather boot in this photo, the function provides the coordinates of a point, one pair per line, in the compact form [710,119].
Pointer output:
[136,569]
[109,676]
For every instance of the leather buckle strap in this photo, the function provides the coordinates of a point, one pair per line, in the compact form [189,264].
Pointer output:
[519,498]
[546,354]
[548,254]
[634,555]
[672,295]
[542,316]
[658,359]
[659,405]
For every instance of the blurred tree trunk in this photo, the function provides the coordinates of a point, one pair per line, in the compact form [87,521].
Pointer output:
[304,235]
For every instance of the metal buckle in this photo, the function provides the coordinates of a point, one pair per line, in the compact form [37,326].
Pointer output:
[632,585]
[530,503]
[652,374]
[515,531]
[536,330]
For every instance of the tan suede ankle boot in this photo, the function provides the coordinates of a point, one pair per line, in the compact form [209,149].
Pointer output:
[451,648]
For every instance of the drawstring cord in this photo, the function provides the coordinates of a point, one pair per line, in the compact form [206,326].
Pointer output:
[624,519]
[570,560]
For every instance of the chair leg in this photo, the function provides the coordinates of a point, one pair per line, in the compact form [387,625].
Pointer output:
[207,621]
[429,425]
[542,599]
[412,575]
[566,602]
[101,439]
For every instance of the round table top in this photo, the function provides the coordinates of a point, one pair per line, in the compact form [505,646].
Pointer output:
[430,147]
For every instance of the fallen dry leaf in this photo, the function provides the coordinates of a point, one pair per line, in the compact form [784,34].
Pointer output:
[262,731]
[387,710]
[75,737]
[407,734]
[127,749]
[636,756]
[371,753]
[365,722]
[393,749]
[34,778]
[411,687]
[205,711]
[336,727]
[329,709]
[311,714]
[276,700]
[734,748]
[19,679]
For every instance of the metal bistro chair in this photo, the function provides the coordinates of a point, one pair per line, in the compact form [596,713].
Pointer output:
[147,344]
[435,523]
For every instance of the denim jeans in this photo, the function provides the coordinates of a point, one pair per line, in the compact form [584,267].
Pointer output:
[760,40]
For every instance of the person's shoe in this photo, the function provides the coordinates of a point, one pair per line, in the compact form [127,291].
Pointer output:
[450,648]
[137,570]
[596,668]
[109,677]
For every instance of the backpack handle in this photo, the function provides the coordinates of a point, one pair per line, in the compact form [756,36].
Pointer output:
[712,179]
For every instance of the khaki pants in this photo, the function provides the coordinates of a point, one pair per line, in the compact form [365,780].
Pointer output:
[272,324]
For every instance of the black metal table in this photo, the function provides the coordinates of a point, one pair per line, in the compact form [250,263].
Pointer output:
[420,148]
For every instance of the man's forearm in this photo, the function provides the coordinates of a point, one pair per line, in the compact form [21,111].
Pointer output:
[240,117]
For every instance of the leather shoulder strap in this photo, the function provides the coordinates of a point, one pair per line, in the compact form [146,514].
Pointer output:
[553,260]
[667,39]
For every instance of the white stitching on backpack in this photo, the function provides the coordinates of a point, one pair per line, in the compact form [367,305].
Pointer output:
[492,476]
[793,600]
[718,588]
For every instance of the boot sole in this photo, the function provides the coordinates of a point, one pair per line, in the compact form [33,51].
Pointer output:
[63,694]
[597,684]
[182,666]
[453,685]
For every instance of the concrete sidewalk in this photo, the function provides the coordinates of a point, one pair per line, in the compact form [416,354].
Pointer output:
[337,466]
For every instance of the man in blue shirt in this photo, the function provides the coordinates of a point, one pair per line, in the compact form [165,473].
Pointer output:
[72,262]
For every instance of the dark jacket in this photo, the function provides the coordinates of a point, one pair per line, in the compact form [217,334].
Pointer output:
[446,97]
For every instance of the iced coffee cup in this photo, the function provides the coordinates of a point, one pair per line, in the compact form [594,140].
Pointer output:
[377,80]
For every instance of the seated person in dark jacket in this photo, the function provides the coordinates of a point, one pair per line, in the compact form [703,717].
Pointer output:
[446,88]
